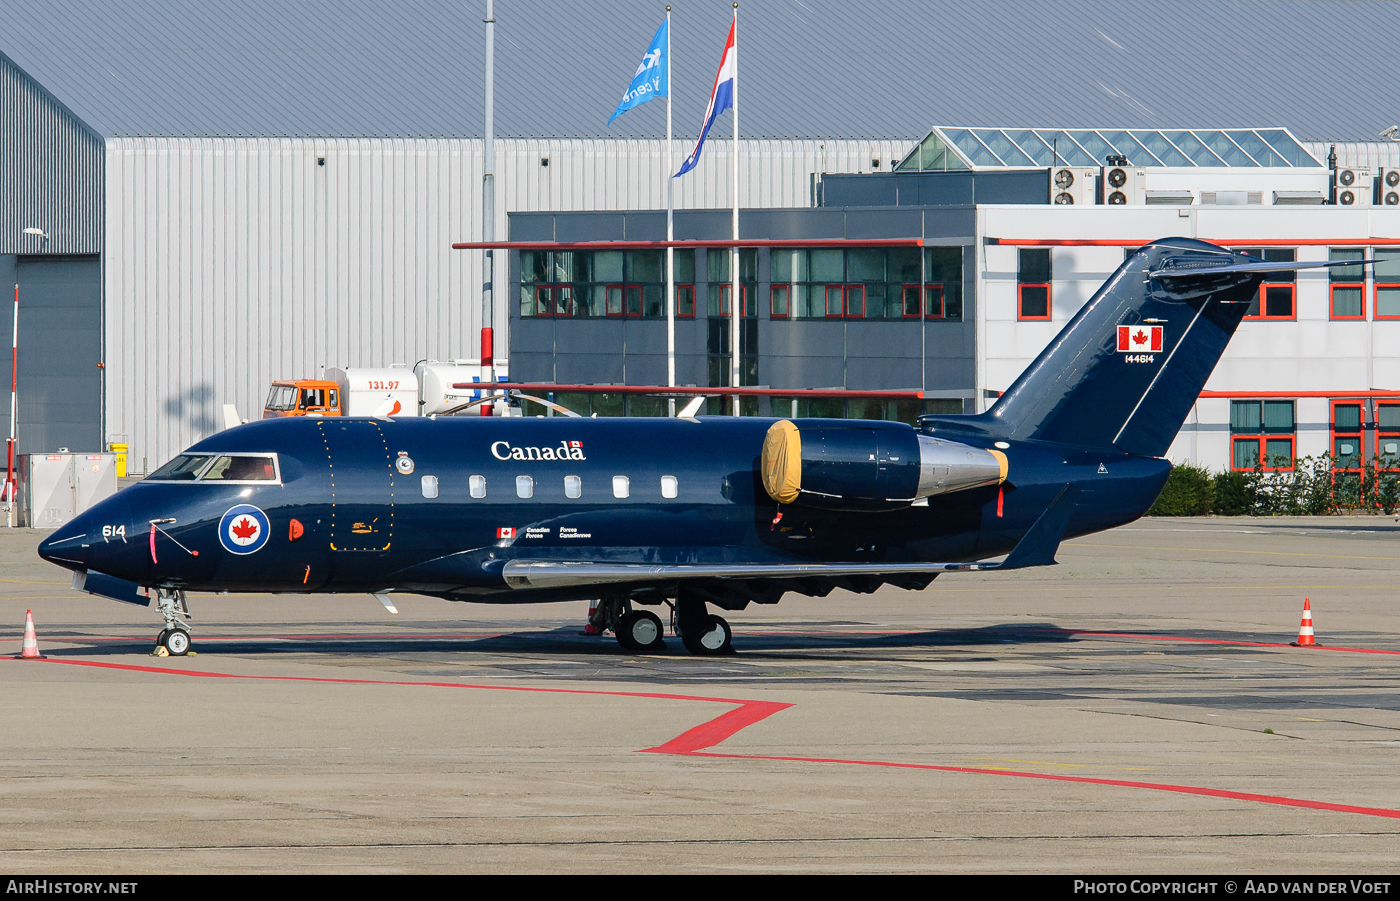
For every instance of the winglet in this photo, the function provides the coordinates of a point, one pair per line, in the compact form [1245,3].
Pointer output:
[1038,546]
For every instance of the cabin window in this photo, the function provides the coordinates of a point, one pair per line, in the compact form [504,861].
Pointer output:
[524,486]
[476,486]
[184,468]
[573,486]
[430,486]
[239,468]
[670,487]
[622,486]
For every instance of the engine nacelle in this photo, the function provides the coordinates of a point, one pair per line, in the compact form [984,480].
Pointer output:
[868,466]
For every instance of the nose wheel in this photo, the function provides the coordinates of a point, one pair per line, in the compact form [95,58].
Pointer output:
[176,642]
[174,639]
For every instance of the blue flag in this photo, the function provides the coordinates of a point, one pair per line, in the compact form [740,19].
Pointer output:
[652,78]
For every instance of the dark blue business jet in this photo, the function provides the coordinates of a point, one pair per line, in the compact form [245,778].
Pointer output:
[685,513]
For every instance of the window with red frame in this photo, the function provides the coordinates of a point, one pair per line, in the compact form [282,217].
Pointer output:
[1348,448]
[780,301]
[1347,419]
[1278,296]
[602,283]
[1262,431]
[1348,284]
[933,302]
[1387,275]
[1033,283]
[1388,436]
[685,301]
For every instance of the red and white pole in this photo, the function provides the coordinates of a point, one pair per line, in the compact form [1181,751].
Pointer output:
[10,451]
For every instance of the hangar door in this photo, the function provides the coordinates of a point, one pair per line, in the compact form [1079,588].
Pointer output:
[60,345]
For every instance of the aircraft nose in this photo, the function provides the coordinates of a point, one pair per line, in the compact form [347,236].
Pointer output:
[78,544]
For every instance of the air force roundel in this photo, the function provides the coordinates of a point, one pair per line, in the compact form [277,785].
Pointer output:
[244,529]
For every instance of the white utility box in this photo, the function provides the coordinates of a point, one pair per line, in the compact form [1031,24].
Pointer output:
[54,488]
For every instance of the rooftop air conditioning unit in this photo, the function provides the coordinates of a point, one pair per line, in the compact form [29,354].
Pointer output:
[1389,182]
[1179,197]
[1232,198]
[1354,187]
[1299,198]
[1124,186]
[1072,186]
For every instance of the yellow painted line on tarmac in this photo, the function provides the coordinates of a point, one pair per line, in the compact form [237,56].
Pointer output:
[1395,558]
[1032,762]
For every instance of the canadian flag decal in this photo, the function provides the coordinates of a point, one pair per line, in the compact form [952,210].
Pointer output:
[505,532]
[1146,339]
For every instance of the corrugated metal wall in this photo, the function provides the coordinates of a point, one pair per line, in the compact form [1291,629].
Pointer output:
[50,171]
[1374,154]
[234,261]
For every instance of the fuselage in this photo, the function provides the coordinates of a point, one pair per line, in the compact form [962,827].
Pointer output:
[439,506]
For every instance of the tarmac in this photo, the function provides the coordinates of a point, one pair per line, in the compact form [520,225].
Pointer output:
[1136,709]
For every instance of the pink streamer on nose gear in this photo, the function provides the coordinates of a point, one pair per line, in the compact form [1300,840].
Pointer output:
[153,543]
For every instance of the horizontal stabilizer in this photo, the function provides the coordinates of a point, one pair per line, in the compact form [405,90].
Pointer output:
[1243,268]
[107,586]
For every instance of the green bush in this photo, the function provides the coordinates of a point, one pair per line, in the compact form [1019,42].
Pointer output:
[1188,492]
[1309,488]
[1235,493]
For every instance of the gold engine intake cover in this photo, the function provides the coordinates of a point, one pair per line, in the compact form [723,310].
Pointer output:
[782,462]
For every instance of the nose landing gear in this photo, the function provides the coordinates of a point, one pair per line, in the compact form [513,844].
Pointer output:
[174,639]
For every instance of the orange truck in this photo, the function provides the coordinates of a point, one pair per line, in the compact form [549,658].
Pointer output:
[302,397]
[391,391]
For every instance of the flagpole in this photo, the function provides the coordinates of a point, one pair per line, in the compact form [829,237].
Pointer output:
[735,299]
[670,233]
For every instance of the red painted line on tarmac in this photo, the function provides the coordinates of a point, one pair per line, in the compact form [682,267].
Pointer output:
[693,742]
[726,725]
[706,735]
[1276,800]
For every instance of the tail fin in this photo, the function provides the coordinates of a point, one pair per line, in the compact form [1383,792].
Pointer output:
[1127,368]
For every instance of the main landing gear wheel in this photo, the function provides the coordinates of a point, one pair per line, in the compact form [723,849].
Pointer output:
[640,630]
[176,641]
[710,639]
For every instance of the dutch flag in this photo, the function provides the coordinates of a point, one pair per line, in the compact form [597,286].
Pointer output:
[721,98]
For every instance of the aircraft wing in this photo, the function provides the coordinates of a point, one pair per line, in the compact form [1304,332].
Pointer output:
[1036,548]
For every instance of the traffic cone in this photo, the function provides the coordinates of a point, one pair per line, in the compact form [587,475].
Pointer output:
[31,644]
[1305,631]
[588,627]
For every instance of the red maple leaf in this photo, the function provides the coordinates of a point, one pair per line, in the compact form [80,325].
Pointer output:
[245,529]
[1140,337]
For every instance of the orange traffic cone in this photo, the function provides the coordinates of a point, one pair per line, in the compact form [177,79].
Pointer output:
[588,627]
[31,644]
[1305,631]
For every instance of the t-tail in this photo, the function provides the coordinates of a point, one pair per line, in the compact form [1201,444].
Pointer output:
[1127,368]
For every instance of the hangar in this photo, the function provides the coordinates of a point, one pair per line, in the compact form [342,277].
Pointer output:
[198,198]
